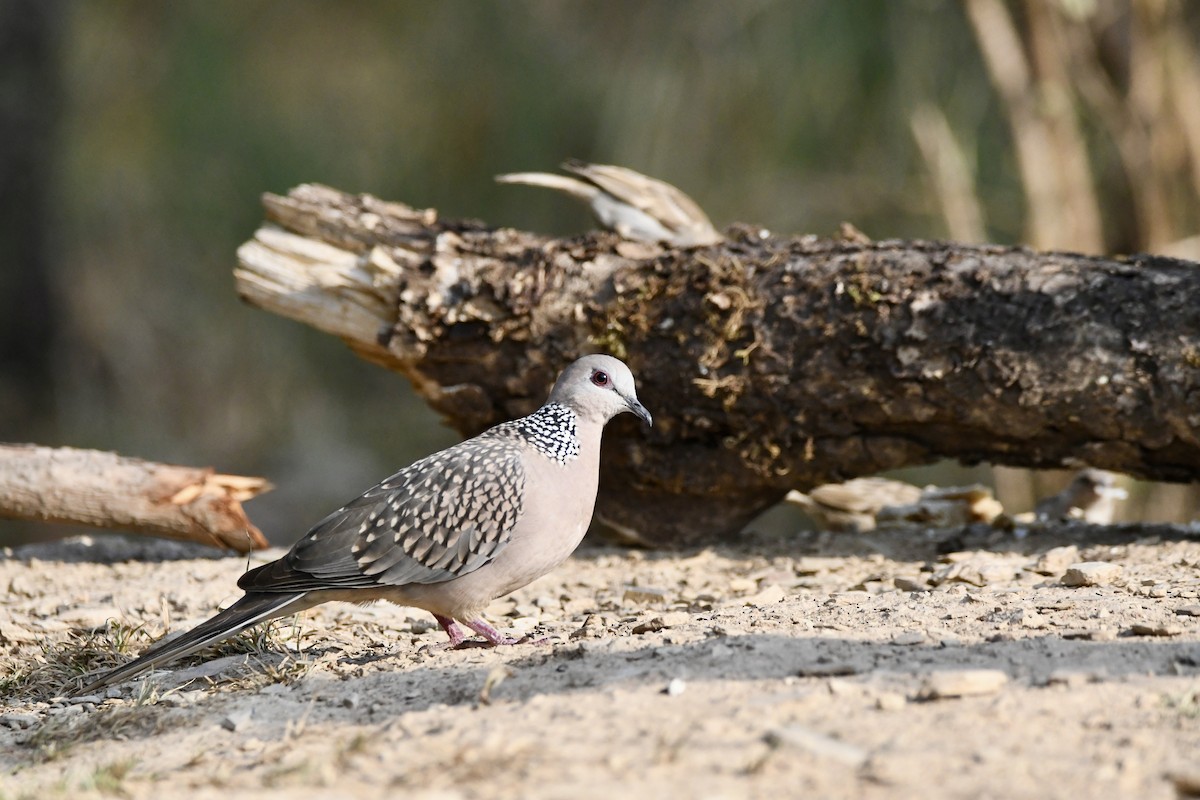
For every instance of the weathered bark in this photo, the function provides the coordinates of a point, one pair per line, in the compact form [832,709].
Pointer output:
[769,363]
[104,490]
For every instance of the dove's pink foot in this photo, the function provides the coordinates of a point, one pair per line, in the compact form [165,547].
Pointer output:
[459,639]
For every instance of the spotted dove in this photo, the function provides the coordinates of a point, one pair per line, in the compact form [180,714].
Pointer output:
[451,532]
[1092,495]
[634,205]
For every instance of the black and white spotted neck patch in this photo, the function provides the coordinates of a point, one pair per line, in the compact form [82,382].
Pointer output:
[552,430]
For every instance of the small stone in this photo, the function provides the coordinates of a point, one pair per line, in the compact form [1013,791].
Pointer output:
[188,698]
[351,701]
[65,711]
[720,652]
[18,720]
[962,683]
[910,639]
[1091,573]
[1188,611]
[1029,619]
[676,687]
[959,572]
[768,596]
[742,585]
[1070,678]
[577,607]
[643,595]
[91,618]
[1155,630]
[815,565]
[235,721]
[93,699]
[817,744]
[16,634]
[906,584]
[1103,635]
[649,626]
[891,701]
[673,619]
[1056,561]
[591,628]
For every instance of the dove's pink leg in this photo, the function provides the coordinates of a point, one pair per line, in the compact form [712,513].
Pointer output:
[491,634]
[452,630]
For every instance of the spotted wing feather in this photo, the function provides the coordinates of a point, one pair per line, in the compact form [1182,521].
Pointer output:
[442,517]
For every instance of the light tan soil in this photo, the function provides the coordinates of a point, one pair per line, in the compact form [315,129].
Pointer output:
[783,668]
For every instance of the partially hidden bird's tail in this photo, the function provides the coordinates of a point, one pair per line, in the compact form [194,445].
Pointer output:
[563,183]
[248,611]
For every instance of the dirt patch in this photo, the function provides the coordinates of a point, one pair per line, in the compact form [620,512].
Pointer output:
[782,668]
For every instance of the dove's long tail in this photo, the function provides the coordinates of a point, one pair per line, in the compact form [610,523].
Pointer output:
[249,611]
[572,186]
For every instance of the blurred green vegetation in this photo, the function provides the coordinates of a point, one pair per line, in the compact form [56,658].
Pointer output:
[170,119]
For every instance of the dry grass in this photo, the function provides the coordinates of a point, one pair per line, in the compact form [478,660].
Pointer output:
[60,666]
[57,736]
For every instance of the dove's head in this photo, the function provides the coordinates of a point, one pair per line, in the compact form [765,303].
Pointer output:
[598,388]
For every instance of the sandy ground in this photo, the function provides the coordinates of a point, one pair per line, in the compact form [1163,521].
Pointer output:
[785,667]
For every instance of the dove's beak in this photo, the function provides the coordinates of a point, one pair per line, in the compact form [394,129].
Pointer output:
[639,411]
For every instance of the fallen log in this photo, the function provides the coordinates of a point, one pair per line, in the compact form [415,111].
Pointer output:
[769,363]
[105,490]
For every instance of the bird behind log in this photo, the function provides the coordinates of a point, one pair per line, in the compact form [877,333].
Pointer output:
[636,206]
[1091,495]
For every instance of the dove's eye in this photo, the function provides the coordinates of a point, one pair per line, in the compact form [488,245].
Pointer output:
[600,378]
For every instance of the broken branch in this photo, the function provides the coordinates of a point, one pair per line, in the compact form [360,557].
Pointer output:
[105,490]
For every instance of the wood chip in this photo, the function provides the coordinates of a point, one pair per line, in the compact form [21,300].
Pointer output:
[1098,635]
[496,676]
[950,683]
[1155,630]
[828,670]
